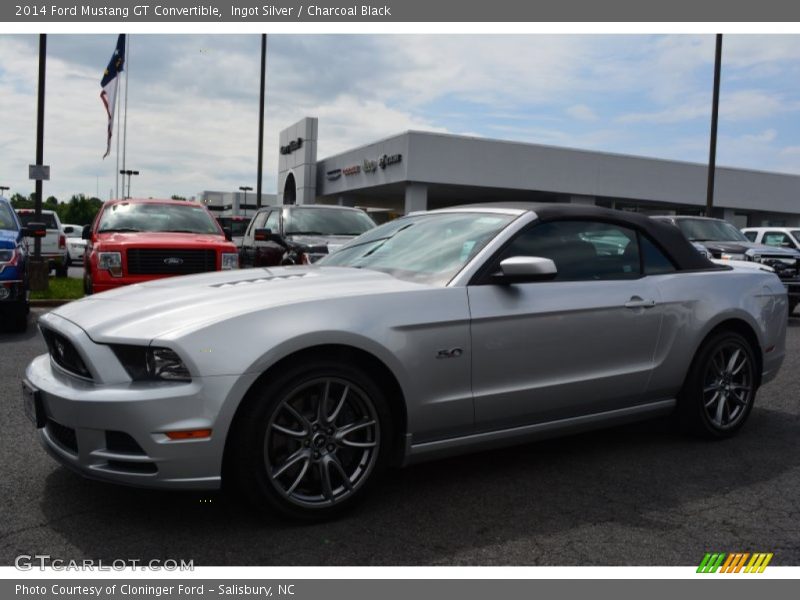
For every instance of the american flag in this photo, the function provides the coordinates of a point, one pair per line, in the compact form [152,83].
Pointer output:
[110,82]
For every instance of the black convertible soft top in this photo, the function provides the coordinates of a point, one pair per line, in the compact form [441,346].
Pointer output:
[667,237]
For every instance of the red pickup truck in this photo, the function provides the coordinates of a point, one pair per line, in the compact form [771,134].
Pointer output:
[132,241]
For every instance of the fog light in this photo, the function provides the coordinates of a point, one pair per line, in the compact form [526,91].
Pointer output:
[4,293]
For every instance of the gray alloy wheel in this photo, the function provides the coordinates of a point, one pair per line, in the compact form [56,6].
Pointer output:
[720,389]
[321,442]
[309,440]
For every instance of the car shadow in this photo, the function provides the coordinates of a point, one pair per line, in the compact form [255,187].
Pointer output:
[636,477]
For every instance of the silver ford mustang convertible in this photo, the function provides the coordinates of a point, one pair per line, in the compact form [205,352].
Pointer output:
[439,333]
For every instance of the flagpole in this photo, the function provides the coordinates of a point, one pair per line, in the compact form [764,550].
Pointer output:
[119,122]
[125,123]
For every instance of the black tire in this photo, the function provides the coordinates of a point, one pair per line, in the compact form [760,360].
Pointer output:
[283,444]
[87,284]
[61,270]
[721,387]
[69,261]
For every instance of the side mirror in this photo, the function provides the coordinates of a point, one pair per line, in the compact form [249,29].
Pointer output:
[266,235]
[35,230]
[524,269]
[86,234]
[228,233]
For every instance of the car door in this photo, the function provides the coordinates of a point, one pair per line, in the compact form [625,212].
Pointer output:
[268,252]
[247,251]
[581,343]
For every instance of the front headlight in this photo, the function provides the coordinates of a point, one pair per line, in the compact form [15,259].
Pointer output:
[146,363]
[230,261]
[725,256]
[111,262]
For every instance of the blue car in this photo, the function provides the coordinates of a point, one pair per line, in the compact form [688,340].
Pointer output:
[14,294]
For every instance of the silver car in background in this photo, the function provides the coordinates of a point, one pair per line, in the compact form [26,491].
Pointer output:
[432,335]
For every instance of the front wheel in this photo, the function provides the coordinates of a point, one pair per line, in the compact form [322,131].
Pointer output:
[310,442]
[720,389]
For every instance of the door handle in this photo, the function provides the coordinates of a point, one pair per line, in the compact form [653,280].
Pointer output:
[637,302]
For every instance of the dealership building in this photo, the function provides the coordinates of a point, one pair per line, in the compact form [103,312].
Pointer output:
[418,170]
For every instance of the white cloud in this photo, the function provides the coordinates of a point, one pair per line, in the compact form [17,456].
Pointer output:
[581,112]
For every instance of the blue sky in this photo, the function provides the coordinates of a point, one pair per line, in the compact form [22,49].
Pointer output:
[194,99]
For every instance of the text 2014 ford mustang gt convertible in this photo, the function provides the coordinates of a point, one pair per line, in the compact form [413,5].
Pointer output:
[434,334]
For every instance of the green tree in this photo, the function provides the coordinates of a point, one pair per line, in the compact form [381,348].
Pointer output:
[81,210]
[176,197]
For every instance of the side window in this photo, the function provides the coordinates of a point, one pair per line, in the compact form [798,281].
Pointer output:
[654,261]
[751,235]
[257,223]
[581,250]
[777,238]
[273,221]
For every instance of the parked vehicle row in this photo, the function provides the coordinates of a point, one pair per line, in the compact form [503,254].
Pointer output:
[14,256]
[299,234]
[434,334]
[133,241]
[54,243]
[726,242]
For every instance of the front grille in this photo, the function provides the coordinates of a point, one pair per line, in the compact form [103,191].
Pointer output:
[64,353]
[65,436]
[158,261]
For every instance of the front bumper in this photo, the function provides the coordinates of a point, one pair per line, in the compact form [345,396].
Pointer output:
[115,432]
[13,292]
[792,287]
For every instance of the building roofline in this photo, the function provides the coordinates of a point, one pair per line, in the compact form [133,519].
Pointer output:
[605,153]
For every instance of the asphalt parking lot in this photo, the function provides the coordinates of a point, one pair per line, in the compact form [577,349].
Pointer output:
[636,495]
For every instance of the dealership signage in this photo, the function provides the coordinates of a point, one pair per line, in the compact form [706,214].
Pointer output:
[292,146]
[389,159]
[352,170]
[368,166]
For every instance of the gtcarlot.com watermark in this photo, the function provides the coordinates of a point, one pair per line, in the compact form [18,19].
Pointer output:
[30,562]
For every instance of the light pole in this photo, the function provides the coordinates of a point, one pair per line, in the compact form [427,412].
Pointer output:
[127,172]
[245,189]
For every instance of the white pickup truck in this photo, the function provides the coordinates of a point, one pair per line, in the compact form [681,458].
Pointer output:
[54,244]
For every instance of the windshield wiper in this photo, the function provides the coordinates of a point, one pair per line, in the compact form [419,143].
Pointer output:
[305,233]
[119,230]
[177,231]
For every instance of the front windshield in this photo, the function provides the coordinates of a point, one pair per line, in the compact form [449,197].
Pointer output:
[427,248]
[710,230]
[157,217]
[326,221]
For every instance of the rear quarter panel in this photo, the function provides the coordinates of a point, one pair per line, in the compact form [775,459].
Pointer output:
[694,304]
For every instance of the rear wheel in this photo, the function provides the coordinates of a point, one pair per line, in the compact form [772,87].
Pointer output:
[719,392]
[310,442]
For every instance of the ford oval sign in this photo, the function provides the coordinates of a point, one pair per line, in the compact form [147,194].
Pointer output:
[173,260]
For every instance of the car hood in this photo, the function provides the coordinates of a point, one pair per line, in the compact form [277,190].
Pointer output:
[8,238]
[331,242]
[175,305]
[742,247]
[161,239]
